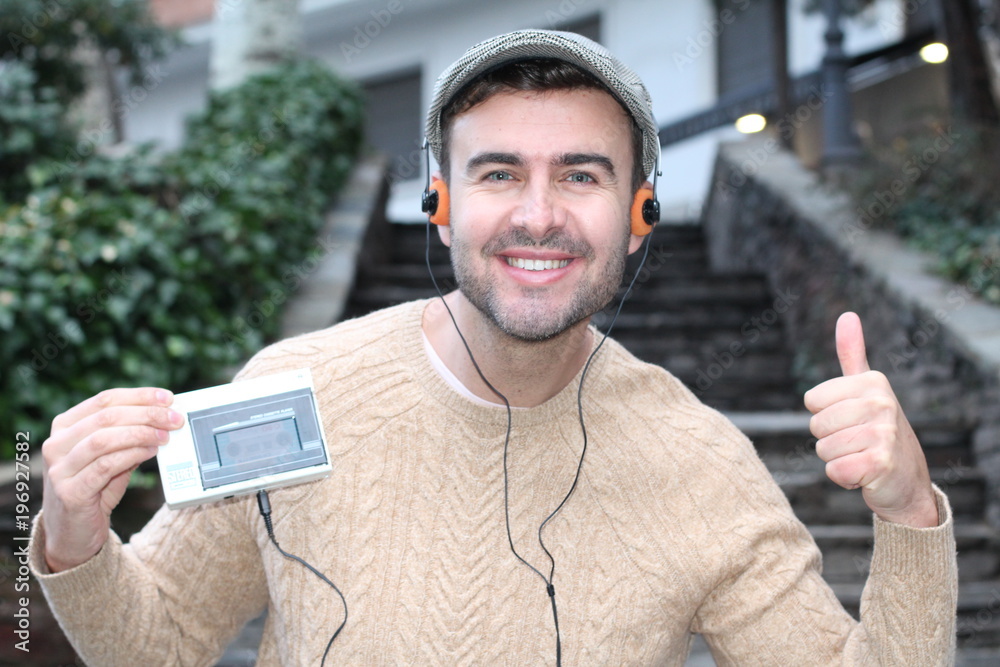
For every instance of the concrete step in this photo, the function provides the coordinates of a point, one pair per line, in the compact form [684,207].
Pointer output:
[971,656]
[817,500]
[694,326]
[706,320]
[715,366]
[749,291]
[730,396]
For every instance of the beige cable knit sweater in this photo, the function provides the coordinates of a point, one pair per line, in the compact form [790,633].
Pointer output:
[676,528]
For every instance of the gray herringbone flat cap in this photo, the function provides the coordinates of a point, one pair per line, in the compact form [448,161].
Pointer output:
[568,46]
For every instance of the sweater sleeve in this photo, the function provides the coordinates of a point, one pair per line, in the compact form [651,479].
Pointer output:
[776,608]
[753,569]
[176,594]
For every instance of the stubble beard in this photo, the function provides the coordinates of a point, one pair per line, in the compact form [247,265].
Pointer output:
[538,320]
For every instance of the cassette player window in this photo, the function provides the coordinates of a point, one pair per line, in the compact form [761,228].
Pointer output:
[257,437]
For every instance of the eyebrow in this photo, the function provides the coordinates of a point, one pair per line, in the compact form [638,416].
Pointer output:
[574,159]
[564,160]
[480,159]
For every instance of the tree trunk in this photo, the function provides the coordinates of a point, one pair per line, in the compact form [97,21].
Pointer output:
[990,33]
[969,74]
[252,36]
[94,111]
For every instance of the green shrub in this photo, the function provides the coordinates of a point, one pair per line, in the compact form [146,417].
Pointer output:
[167,271]
[938,189]
[32,127]
[268,155]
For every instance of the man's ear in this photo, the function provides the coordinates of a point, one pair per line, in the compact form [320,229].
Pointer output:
[444,231]
[635,241]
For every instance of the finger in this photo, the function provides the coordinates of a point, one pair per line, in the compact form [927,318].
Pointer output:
[855,439]
[157,417]
[82,485]
[834,390]
[851,345]
[842,414]
[850,471]
[115,489]
[79,453]
[839,416]
[112,397]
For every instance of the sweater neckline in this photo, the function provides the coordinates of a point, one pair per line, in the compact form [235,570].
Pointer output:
[411,340]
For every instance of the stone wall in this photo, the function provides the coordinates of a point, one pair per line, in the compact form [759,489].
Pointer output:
[939,346]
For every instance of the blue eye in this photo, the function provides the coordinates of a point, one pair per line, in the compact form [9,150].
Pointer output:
[581,178]
[499,176]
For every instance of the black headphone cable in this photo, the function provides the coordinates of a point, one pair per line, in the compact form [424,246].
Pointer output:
[549,587]
[264,504]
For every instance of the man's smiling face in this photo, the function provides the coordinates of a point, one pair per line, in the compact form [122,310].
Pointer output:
[540,190]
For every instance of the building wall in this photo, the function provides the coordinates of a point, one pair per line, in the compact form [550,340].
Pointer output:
[672,46]
[180,13]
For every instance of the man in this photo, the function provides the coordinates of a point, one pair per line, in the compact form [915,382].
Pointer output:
[431,523]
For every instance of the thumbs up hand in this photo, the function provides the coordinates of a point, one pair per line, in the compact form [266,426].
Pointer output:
[865,439]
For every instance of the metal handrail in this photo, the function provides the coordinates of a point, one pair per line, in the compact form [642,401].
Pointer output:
[762,98]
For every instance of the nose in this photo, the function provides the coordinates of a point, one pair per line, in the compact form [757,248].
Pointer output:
[539,212]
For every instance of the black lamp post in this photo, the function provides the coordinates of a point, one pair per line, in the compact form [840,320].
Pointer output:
[840,144]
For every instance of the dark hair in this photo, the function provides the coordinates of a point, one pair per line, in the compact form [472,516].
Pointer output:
[537,74]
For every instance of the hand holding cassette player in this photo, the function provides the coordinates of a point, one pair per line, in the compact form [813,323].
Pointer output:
[211,444]
[89,456]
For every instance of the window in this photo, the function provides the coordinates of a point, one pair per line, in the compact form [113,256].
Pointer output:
[394,120]
[746,47]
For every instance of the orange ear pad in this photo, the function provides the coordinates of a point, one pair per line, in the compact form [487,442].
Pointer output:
[639,225]
[440,216]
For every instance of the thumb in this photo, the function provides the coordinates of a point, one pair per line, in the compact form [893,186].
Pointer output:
[851,345]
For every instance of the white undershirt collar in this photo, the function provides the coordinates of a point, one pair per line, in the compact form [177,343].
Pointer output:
[450,377]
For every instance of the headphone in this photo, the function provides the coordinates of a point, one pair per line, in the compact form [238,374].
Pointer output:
[645,212]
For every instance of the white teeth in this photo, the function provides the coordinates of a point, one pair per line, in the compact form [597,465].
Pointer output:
[537,264]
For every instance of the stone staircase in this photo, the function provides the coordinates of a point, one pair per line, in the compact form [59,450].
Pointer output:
[723,336]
